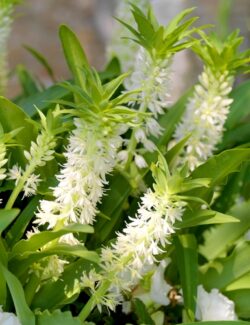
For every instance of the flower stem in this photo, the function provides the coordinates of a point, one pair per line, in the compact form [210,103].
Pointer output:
[31,288]
[19,187]
[90,305]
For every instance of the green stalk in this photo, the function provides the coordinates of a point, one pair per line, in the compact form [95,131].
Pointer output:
[19,187]
[31,287]
[90,305]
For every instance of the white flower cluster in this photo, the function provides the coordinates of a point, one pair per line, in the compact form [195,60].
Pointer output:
[125,49]
[205,116]
[214,306]
[6,10]
[8,318]
[3,160]
[40,152]
[90,156]
[152,77]
[135,249]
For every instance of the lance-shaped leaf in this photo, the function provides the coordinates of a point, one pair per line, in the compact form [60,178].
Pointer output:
[187,261]
[40,239]
[24,314]
[74,54]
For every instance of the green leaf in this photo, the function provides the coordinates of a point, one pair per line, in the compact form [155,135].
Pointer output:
[204,217]
[237,322]
[240,107]
[112,86]
[40,58]
[74,54]
[112,70]
[19,227]
[241,300]
[241,283]
[4,261]
[169,120]
[224,271]
[64,290]
[24,314]
[6,217]
[187,261]
[217,169]
[173,153]
[57,317]
[28,84]
[220,238]
[20,263]
[42,100]
[40,239]
[112,206]
[141,312]
[177,19]
[13,117]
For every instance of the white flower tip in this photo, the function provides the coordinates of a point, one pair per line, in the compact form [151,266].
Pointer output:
[140,161]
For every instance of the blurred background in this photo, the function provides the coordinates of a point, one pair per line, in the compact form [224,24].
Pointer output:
[36,25]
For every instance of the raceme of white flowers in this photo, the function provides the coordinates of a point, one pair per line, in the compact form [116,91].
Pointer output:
[6,10]
[40,152]
[135,249]
[205,115]
[214,306]
[8,318]
[152,76]
[90,156]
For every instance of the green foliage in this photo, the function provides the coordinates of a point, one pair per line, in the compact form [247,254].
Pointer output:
[220,238]
[13,118]
[162,41]
[57,317]
[142,313]
[223,55]
[207,208]
[23,312]
[6,218]
[187,261]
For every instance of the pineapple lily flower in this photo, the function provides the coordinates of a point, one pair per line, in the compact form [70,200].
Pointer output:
[145,236]
[208,108]
[151,72]
[41,151]
[99,122]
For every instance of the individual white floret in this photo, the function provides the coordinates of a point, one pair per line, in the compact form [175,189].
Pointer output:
[15,173]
